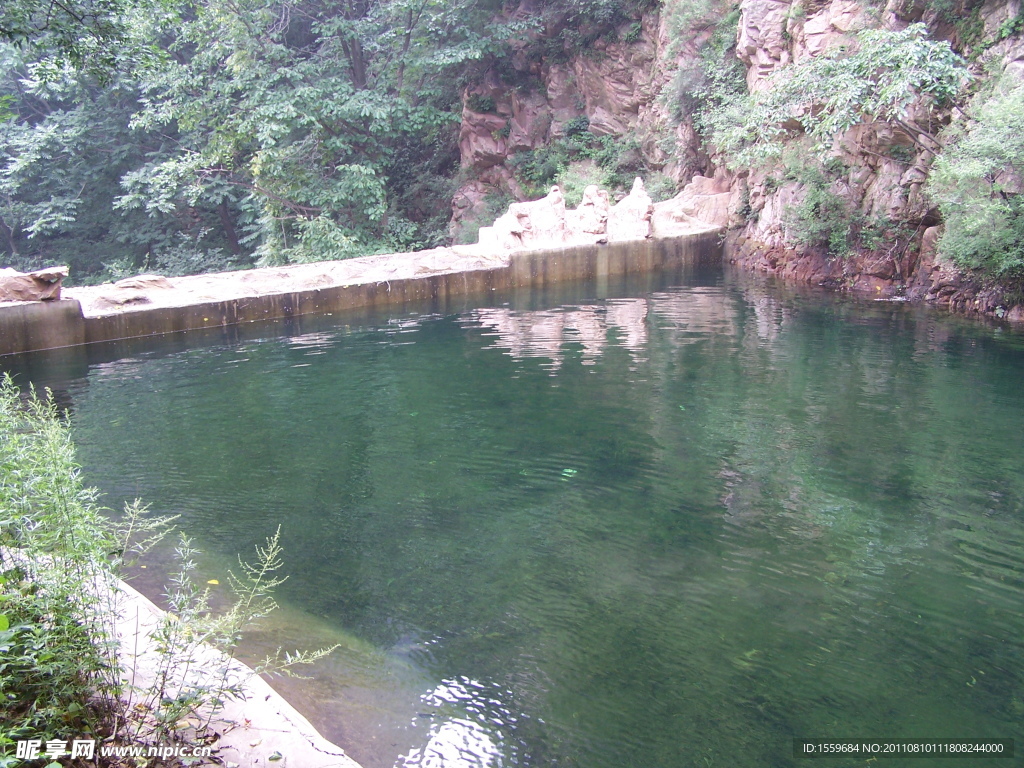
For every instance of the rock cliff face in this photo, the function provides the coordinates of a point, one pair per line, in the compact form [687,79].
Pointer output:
[886,169]
[627,89]
[615,87]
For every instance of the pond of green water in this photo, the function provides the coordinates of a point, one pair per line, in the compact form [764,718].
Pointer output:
[676,526]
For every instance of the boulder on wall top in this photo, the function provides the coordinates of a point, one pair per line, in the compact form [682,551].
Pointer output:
[41,285]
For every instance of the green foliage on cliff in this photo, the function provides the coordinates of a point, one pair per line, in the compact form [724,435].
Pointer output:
[978,183]
[823,219]
[578,159]
[575,26]
[713,78]
[826,218]
[825,96]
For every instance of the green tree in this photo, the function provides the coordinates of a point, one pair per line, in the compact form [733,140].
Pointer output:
[977,182]
[63,150]
[90,35]
[284,131]
[321,116]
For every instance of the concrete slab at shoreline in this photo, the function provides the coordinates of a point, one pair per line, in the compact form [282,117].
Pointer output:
[151,305]
[257,728]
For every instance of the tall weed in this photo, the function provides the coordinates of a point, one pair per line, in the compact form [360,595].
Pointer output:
[62,673]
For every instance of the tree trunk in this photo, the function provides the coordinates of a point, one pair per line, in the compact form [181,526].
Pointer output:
[357,61]
[229,228]
[9,234]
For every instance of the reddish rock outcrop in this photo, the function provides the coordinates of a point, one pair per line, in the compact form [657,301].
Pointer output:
[762,43]
[615,85]
[41,285]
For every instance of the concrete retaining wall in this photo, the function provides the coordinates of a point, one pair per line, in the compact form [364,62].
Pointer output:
[27,326]
[33,326]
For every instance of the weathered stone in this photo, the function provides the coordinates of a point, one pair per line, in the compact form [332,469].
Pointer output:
[769,229]
[906,11]
[481,143]
[589,222]
[830,27]
[604,123]
[41,285]
[669,219]
[529,225]
[1015,314]
[470,205]
[930,266]
[564,98]
[546,222]
[615,83]
[703,204]
[630,218]
[708,200]
[884,196]
[761,40]
[132,290]
[530,122]
[144,283]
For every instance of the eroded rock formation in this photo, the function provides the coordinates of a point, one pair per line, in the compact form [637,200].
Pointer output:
[41,285]
[630,218]
[546,223]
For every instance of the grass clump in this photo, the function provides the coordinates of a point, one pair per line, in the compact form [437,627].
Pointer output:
[58,668]
[62,676]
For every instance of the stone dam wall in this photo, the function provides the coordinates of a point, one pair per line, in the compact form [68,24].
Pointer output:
[151,305]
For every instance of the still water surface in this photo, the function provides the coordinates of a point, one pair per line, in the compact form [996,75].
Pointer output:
[675,527]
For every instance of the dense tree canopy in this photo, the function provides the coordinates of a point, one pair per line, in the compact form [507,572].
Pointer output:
[307,115]
[281,131]
[89,35]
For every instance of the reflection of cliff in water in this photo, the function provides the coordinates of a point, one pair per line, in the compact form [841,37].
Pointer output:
[686,317]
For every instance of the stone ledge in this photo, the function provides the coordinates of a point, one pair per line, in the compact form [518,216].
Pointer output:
[147,292]
[151,305]
[261,729]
